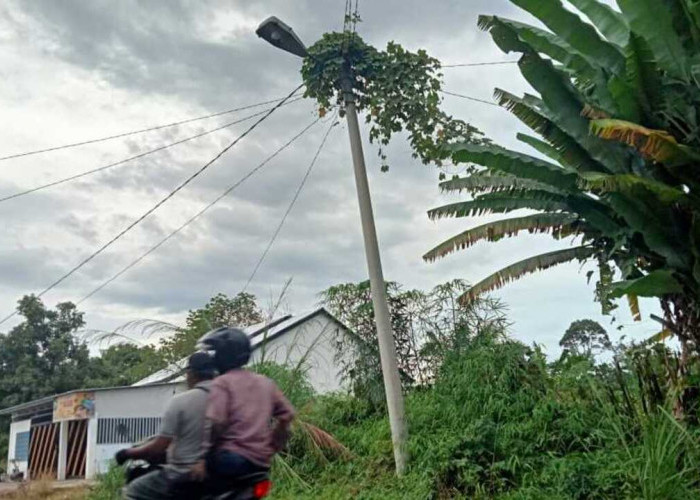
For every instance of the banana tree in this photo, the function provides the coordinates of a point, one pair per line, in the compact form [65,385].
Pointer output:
[617,119]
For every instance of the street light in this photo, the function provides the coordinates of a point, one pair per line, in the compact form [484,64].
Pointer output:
[282,36]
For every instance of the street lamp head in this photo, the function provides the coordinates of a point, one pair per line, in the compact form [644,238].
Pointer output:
[282,36]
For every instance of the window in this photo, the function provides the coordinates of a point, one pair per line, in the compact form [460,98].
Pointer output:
[126,430]
[22,446]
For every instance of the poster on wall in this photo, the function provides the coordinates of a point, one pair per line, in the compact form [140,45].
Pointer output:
[74,406]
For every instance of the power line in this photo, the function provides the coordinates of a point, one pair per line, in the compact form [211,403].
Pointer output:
[136,157]
[475,99]
[198,214]
[466,65]
[140,131]
[162,201]
[291,205]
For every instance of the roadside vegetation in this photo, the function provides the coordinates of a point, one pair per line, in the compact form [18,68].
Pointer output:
[612,167]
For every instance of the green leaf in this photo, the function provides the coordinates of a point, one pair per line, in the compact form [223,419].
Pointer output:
[627,184]
[654,223]
[654,284]
[580,35]
[608,21]
[518,164]
[512,36]
[525,267]
[643,75]
[572,153]
[624,99]
[541,146]
[565,106]
[501,203]
[653,21]
[559,225]
[487,181]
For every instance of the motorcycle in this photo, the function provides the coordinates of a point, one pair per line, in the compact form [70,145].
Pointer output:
[249,487]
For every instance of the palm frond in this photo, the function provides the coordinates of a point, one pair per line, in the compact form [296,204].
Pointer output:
[628,184]
[608,21]
[571,152]
[653,21]
[524,267]
[512,36]
[558,224]
[514,163]
[322,440]
[487,182]
[565,104]
[644,76]
[502,203]
[574,31]
[542,147]
[657,145]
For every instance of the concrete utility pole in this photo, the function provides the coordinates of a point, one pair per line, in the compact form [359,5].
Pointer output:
[282,36]
[387,349]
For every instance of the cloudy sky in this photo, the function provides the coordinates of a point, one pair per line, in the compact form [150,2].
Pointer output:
[78,69]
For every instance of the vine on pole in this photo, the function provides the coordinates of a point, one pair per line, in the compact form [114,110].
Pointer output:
[398,90]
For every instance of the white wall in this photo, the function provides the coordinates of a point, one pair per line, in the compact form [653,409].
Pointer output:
[311,343]
[146,401]
[16,427]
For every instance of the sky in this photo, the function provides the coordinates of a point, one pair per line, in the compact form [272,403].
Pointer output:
[76,70]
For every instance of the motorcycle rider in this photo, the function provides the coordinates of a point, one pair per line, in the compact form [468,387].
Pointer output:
[239,438]
[180,436]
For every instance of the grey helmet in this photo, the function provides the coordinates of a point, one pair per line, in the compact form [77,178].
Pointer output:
[231,347]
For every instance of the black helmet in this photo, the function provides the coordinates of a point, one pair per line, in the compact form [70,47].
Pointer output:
[231,347]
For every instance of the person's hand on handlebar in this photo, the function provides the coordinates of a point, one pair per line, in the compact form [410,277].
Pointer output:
[122,456]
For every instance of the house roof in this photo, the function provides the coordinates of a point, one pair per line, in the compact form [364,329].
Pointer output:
[48,400]
[258,334]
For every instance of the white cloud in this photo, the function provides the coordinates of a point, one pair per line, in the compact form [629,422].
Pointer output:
[73,69]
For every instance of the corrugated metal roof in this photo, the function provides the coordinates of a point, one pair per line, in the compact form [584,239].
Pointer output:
[49,399]
[173,374]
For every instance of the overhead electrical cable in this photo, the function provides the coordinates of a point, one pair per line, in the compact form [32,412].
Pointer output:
[198,214]
[162,201]
[136,157]
[470,98]
[134,132]
[291,204]
[466,65]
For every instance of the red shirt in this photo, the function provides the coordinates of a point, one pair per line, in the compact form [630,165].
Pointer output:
[241,407]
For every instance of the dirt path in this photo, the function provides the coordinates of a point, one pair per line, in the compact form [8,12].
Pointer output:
[56,490]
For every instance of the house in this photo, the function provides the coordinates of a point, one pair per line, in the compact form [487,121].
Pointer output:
[75,434]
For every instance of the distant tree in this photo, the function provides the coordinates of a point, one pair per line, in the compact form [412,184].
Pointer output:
[241,310]
[585,337]
[124,364]
[41,355]
[425,325]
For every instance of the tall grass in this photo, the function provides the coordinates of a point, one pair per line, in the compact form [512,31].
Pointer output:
[497,422]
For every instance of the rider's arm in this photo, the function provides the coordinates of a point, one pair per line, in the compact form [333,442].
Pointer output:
[157,447]
[149,451]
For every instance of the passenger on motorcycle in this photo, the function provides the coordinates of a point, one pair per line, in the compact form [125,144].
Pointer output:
[180,437]
[247,418]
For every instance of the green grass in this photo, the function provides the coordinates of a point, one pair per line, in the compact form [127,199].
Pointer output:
[499,422]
